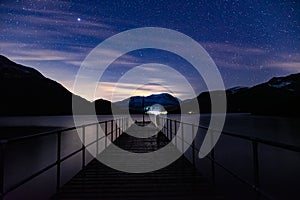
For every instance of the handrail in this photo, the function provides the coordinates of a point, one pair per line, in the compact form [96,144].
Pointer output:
[251,138]
[254,140]
[114,129]
[49,132]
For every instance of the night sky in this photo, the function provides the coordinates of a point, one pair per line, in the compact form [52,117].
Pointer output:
[250,41]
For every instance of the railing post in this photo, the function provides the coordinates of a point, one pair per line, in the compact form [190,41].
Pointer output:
[58,161]
[164,125]
[111,130]
[97,138]
[167,120]
[171,129]
[2,162]
[175,133]
[120,126]
[182,139]
[193,144]
[123,125]
[105,133]
[213,170]
[168,130]
[116,126]
[255,164]
[83,147]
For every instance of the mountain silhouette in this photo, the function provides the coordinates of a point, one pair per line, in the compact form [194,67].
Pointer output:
[25,91]
[135,103]
[278,96]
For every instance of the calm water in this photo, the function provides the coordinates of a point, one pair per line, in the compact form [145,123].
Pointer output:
[286,130]
[277,168]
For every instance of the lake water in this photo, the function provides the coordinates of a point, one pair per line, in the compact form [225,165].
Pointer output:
[285,130]
[278,169]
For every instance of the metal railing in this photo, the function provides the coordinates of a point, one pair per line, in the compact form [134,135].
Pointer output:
[115,132]
[170,129]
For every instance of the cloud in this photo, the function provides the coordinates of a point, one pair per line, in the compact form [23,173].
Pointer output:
[287,66]
[28,53]
[48,36]
[53,20]
[122,91]
[22,52]
[136,81]
[238,57]
[224,48]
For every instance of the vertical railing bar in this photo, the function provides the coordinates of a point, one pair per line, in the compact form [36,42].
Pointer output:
[213,170]
[58,161]
[167,127]
[120,125]
[2,160]
[117,129]
[193,144]
[164,127]
[97,138]
[116,126]
[212,154]
[83,147]
[171,130]
[182,138]
[168,130]
[105,133]
[175,133]
[123,125]
[255,164]
[111,130]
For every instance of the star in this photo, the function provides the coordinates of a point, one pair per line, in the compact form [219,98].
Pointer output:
[255,39]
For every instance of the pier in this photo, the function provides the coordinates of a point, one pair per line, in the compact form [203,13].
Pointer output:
[71,170]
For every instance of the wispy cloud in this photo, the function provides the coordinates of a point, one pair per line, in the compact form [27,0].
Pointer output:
[147,79]
[136,81]
[251,58]
[49,37]
[52,21]
[119,91]
[29,53]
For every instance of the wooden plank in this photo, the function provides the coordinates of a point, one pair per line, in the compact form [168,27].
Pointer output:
[179,180]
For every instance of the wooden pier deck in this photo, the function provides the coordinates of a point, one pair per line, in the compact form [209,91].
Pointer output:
[180,180]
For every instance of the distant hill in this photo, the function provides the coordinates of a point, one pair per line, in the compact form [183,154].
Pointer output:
[278,96]
[103,107]
[170,103]
[25,91]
